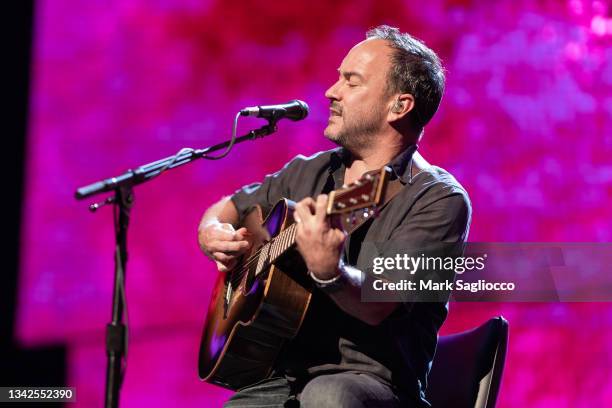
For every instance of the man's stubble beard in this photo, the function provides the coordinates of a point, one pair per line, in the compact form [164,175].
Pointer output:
[359,134]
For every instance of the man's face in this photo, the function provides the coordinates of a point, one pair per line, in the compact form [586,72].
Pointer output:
[359,102]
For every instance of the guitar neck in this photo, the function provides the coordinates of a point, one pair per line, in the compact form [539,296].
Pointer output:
[348,207]
[282,242]
[277,246]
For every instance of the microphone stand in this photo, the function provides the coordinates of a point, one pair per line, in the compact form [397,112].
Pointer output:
[123,198]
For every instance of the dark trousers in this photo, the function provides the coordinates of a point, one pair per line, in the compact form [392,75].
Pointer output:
[343,390]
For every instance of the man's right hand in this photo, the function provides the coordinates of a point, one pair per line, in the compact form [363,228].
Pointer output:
[222,243]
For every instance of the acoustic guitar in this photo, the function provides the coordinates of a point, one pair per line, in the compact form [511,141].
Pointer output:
[262,302]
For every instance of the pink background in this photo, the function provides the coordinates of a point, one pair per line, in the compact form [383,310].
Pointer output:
[525,126]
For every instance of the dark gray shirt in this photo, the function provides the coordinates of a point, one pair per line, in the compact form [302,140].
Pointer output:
[431,208]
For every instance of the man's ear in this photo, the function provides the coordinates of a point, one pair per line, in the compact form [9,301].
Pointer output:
[402,105]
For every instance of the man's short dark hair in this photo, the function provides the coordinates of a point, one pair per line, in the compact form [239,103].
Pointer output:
[416,69]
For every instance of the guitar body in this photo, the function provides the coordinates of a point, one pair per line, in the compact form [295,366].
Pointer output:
[262,302]
[250,318]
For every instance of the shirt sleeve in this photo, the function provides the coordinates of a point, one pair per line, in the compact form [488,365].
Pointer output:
[437,227]
[442,219]
[267,193]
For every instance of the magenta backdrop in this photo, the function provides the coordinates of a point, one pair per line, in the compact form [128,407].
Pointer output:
[525,126]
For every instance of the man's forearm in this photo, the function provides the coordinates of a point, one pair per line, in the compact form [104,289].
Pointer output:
[348,298]
[223,211]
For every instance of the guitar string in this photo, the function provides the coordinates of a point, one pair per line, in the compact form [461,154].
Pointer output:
[243,267]
[255,257]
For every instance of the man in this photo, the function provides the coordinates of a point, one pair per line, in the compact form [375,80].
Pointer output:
[350,353]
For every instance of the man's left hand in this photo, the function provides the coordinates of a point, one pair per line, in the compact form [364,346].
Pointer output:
[319,243]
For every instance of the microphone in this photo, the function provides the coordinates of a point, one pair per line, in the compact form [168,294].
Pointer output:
[294,110]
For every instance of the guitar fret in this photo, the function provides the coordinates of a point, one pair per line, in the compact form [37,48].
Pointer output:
[281,246]
[282,242]
[260,260]
[356,201]
[293,234]
[287,239]
[274,249]
[277,248]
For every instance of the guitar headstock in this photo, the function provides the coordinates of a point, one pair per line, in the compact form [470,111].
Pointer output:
[356,203]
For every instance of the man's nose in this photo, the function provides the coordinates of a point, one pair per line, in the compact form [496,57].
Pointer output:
[332,92]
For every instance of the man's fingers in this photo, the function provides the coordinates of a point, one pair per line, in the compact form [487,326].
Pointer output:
[229,246]
[225,266]
[304,210]
[339,235]
[221,267]
[224,262]
[302,215]
[221,233]
[307,204]
[320,207]
[310,204]
[224,244]
[223,257]
[241,234]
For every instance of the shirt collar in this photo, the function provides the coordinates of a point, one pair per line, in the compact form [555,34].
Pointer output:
[401,165]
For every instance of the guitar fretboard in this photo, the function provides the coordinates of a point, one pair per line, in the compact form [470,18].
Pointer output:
[276,247]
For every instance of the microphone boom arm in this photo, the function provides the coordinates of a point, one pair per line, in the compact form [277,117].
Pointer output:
[145,172]
[122,185]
